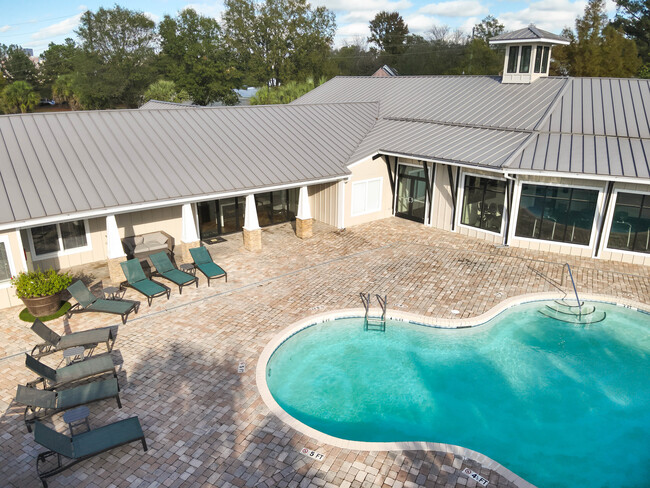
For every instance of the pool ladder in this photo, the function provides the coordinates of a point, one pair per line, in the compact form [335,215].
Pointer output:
[374,323]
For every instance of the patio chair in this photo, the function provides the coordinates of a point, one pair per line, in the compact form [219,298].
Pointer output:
[136,279]
[206,265]
[87,302]
[76,371]
[85,445]
[166,269]
[40,404]
[54,342]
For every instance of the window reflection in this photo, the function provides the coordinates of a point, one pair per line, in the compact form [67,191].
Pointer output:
[483,203]
[630,230]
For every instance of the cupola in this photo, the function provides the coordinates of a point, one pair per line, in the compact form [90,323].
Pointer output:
[528,53]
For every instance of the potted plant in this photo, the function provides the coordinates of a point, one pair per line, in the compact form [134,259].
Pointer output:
[41,291]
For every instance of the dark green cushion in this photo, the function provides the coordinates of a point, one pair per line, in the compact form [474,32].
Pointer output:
[177,276]
[148,287]
[53,440]
[99,440]
[211,270]
[133,271]
[84,337]
[39,368]
[200,255]
[90,392]
[84,369]
[161,261]
[111,306]
[45,333]
[34,397]
[81,293]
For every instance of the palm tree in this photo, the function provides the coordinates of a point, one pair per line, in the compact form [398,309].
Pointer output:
[19,97]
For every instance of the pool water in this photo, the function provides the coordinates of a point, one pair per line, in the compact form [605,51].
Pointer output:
[558,404]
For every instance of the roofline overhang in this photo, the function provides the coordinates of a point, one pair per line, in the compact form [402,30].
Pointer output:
[428,159]
[578,176]
[24,224]
[541,40]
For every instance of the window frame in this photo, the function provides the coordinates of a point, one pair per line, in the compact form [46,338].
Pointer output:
[366,182]
[520,70]
[62,251]
[516,59]
[516,202]
[462,198]
[609,221]
[12,267]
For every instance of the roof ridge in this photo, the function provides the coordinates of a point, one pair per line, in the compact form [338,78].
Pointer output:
[458,124]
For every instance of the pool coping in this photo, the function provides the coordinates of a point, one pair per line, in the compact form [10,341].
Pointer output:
[438,322]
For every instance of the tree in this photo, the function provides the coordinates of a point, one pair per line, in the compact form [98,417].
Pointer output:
[57,60]
[16,65]
[489,27]
[165,91]
[286,93]
[355,60]
[63,91]
[277,41]
[633,17]
[116,60]
[19,97]
[388,32]
[196,58]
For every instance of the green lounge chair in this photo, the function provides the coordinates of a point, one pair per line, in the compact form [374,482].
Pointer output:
[40,404]
[87,302]
[74,372]
[206,265]
[166,269]
[54,342]
[85,445]
[136,279]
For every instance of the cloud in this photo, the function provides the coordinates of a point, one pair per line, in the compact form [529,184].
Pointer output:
[550,15]
[420,24]
[364,5]
[59,29]
[5,28]
[455,8]
[214,9]
[152,16]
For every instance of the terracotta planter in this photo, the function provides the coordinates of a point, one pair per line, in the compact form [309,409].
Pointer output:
[42,306]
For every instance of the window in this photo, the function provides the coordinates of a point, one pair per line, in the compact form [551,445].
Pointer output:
[630,230]
[557,214]
[524,65]
[277,206]
[6,266]
[483,203]
[513,53]
[538,59]
[545,59]
[366,196]
[56,238]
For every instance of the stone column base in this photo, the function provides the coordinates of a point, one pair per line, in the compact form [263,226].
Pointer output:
[253,240]
[304,228]
[115,273]
[183,251]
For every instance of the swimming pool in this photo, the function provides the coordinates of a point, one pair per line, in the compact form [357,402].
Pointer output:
[558,404]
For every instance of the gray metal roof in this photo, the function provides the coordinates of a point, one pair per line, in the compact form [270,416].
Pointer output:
[530,33]
[158,105]
[69,162]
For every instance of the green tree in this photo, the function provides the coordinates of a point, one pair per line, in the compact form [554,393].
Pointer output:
[388,32]
[280,40]
[116,61]
[196,57]
[57,60]
[487,28]
[480,59]
[285,93]
[63,91]
[165,91]
[19,97]
[354,60]
[16,65]
[633,17]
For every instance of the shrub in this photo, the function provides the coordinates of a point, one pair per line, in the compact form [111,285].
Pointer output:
[35,284]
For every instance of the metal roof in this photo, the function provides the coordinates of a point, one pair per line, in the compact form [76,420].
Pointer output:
[158,105]
[69,162]
[468,100]
[530,33]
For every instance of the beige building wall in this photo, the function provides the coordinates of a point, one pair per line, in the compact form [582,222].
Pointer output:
[323,200]
[367,170]
[7,294]
[442,215]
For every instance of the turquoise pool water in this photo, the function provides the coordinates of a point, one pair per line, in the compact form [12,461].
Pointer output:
[558,404]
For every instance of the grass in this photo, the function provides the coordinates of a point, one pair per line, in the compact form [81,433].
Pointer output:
[25,316]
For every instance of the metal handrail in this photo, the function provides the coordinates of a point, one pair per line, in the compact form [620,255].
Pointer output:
[365,299]
[575,290]
[382,303]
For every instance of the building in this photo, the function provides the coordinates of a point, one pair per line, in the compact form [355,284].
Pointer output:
[525,160]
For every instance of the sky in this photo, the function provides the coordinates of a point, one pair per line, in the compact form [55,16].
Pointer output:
[36,23]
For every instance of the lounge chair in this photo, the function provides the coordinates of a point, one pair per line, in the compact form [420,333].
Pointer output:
[166,269]
[87,302]
[76,371]
[54,342]
[40,404]
[206,265]
[136,279]
[85,445]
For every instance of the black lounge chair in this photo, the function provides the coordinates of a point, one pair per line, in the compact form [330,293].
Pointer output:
[203,261]
[87,302]
[166,269]
[40,404]
[74,372]
[85,445]
[136,279]
[54,342]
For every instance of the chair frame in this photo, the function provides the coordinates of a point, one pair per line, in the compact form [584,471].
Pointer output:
[167,291]
[45,348]
[195,279]
[78,308]
[210,278]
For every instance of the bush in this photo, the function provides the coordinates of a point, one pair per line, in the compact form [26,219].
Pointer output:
[34,284]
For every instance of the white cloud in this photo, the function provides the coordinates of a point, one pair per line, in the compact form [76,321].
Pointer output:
[5,28]
[59,29]
[364,5]
[550,15]
[213,9]
[455,8]
[152,16]
[468,24]
[420,24]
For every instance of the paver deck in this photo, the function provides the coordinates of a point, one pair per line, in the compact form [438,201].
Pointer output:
[206,425]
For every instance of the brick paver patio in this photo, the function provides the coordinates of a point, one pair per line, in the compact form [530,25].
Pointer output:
[206,425]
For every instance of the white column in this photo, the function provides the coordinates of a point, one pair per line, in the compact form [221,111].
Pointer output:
[340,217]
[190,233]
[250,218]
[304,210]
[113,241]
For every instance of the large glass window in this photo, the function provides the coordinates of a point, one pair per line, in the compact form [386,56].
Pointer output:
[630,229]
[277,206]
[366,196]
[54,238]
[558,214]
[5,268]
[538,59]
[545,59]
[524,65]
[513,54]
[483,203]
